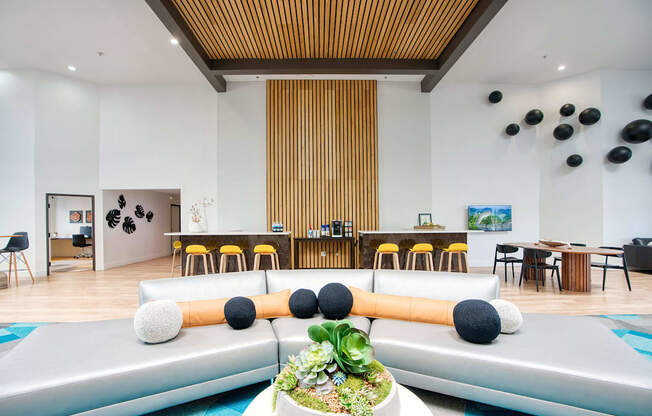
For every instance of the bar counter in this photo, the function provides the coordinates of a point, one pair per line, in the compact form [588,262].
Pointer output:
[440,239]
[246,240]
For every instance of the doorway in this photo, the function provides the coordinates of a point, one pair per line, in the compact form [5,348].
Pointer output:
[69,232]
[175,221]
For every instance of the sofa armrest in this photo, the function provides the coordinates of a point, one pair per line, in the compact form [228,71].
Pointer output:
[638,257]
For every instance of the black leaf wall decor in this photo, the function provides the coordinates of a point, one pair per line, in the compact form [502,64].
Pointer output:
[113,218]
[128,225]
[534,117]
[495,97]
[590,116]
[563,132]
[574,160]
[567,110]
[122,202]
[512,129]
[637,131]
[139,212]
[647,103]
[620,154]
[149,216]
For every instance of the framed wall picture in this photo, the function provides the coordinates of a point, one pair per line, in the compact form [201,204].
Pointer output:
[425,219]
[76,216]
[89,217]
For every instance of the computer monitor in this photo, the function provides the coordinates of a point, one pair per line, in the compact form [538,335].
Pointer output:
[87,231]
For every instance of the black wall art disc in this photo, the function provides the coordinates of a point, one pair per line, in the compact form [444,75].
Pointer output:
[512,129]
[567,110]
[647,103]
[620,154]
[122,202]
[149,216]
[590,116]
[637,131]
[139,212]
[113,218]
[574,160]
[495,97]
[534,117]
[128,225]
[563,132]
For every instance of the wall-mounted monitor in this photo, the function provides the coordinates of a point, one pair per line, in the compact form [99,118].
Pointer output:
[490,217]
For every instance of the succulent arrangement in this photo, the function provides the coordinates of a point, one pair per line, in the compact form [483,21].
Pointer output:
[336,373]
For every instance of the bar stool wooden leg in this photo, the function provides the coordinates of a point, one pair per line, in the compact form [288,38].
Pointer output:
[459,261]
[16,268]
[239,259]
[395,258]
[11,260]
[212,263]
[277,266]
[244,261]
[187,264]
[431,263]
[222,263]
[441,261]
[375,260]
[205,264]
[466,261]
[450,262]
[257,261]
[22,253]
[174,255]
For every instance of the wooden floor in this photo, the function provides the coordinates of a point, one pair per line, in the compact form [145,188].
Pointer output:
[87,295]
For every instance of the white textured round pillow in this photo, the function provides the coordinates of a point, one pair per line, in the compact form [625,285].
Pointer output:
[510,316]
[158,321]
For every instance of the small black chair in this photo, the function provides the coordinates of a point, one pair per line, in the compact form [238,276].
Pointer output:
[505,250]
[604,266]
[79,240]
[17,245]
[539,257]
[558,258]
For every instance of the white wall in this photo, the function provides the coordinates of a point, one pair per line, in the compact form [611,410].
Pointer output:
[404,169]
[148,241]
[60,207]
[161,137]
[475,162]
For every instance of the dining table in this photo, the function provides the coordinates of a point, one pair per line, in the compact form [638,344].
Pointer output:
[575,263]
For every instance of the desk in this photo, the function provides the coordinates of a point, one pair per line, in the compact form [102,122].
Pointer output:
[303,240]
[575,263]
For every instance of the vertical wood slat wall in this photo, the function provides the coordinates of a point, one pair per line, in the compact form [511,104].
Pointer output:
[322,160]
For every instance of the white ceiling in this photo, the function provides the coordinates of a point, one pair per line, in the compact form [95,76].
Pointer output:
[582,34]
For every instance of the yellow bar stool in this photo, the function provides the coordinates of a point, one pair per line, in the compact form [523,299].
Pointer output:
[230,250]
[456,248]
[389,249]
[424,249]
[196,250]
[177,248]
[266,250]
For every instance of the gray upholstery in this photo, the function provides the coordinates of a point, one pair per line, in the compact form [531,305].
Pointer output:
[211,286]
[65,369]
[292,333]
[316,279]
[437,285]
[574,361]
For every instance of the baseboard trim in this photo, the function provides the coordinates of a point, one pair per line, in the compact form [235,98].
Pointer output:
[132,260]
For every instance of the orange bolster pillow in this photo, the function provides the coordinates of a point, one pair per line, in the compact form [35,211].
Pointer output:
[211,312]
[404,308]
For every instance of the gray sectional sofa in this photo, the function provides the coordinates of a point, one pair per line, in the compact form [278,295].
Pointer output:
[554,365]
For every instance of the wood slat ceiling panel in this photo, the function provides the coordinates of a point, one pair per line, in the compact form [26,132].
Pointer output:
[328,29]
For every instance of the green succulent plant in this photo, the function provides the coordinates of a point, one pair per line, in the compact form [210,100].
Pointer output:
[357,402]
[312,364]
[352,349]
[286,380]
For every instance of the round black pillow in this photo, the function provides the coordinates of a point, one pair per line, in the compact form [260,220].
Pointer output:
[303,303]
[476,321]
[335,301]
[240,312]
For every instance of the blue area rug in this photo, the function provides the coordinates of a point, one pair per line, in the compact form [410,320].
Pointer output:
[635,330]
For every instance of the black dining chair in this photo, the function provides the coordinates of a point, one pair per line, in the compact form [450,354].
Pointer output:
[558,258]
[539,257]
[79,240]
[15,246]
[604,266]
[505,250]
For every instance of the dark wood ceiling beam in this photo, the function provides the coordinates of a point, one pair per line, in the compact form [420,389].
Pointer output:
[323,66]
[174,22]
[477,20]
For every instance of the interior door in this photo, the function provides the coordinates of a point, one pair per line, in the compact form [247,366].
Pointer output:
[175,221]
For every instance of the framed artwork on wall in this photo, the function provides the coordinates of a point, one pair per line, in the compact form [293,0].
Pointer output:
[76,216]
[89,217]
[425,219]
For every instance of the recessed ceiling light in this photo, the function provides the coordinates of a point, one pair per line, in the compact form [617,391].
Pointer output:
[561,67]
[71,68]
[174,41]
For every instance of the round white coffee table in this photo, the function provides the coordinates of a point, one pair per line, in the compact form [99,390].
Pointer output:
[411,405]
